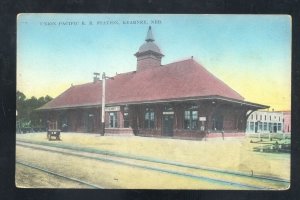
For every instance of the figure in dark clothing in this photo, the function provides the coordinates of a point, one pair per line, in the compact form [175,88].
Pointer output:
[64,127]
[223,135]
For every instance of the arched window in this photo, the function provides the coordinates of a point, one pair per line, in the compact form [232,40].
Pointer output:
[149,118]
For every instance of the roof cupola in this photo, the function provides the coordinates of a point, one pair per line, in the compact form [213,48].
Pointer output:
[149,54]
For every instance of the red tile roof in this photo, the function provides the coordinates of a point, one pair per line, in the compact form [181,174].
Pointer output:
[179,80]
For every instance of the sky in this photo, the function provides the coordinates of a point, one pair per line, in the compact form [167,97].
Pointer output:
[250,53]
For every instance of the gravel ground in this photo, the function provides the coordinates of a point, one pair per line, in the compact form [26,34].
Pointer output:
[230,154]
[28,177]
[107,175]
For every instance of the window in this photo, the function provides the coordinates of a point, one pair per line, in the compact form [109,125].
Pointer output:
[260,117]
[265,117]
[149,118]
[252,116]
[265,126]
[275,128]
[270,127]
[279,127]
[126,120]
[191,119]
[260,126]
[251,126]
[112,120]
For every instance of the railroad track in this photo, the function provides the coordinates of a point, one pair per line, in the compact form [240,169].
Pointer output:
[47,171]
[245,181]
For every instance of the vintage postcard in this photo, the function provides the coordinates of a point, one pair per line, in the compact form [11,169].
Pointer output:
[143,101]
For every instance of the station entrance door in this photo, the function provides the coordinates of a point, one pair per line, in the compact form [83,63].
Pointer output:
[168,121]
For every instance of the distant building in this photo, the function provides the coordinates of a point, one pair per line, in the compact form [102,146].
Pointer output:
[180,99]
[265,122]
[287,121]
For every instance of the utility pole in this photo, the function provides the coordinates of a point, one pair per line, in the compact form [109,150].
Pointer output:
[104,77]
[103,105]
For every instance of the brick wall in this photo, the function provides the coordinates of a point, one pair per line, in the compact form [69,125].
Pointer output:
[147,62]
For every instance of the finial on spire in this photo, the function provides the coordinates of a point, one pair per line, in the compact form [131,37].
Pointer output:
[149,37]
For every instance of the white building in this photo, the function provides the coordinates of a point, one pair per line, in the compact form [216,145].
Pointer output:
[265,122]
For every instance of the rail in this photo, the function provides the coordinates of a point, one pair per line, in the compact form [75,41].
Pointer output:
[237,174]
[58,175]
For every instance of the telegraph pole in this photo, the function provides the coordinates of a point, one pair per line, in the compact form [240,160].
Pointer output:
[104,77]
[103,105]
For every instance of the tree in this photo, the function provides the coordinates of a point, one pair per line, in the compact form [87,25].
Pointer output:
[20,96]
[27,108]
[21,104]
[47,99]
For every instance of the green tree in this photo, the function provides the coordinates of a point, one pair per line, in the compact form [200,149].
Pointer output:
[21,105]
[47,99]
[26,109]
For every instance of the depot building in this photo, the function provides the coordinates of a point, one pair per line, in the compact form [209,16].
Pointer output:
[179,99]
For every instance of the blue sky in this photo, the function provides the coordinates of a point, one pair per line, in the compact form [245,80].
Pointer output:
[251,53]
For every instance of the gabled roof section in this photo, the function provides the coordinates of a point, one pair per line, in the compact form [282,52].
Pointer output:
[179,80]
[77,96]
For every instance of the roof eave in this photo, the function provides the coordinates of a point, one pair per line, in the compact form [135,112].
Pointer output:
[254,105]
[69,107]
[216,97]
[148,52]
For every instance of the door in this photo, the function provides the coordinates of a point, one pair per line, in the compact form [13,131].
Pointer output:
[217,122]
[275,127]
[112,120]
[90,123]
[256,127]
[168,125]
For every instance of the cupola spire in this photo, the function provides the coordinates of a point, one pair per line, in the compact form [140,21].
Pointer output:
[149,37]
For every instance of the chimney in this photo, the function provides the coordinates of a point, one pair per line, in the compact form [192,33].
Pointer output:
[96,78]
